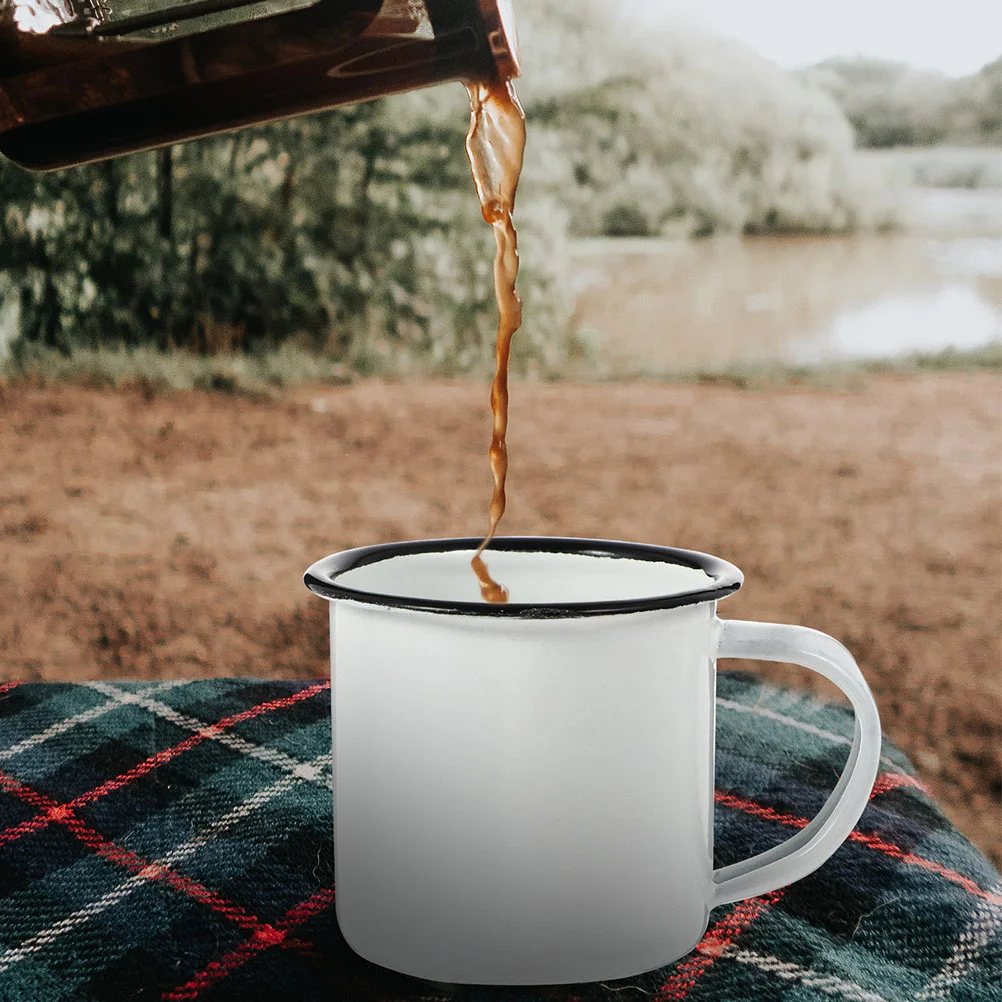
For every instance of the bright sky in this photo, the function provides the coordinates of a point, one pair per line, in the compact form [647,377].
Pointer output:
[954,36]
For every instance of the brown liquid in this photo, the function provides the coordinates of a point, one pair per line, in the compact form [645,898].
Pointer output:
[496,145]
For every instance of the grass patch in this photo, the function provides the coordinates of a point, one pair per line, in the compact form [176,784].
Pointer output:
[838,375]
[156,373]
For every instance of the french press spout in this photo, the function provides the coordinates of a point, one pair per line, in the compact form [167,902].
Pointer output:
[83,80]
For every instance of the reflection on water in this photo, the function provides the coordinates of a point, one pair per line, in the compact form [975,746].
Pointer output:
[659,307]
[954,316]
[956,211]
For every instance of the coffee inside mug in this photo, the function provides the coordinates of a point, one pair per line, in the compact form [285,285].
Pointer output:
[542,574]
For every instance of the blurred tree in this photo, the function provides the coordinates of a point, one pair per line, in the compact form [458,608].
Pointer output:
[977,111]
[176,247]
[674,132]
[890,104]
[356,232]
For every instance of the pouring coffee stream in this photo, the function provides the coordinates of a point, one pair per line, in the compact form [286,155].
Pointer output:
[496,147]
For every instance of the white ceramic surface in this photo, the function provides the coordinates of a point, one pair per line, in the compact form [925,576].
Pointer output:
[530,800]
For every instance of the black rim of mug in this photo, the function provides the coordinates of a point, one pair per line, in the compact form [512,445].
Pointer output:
[725,578]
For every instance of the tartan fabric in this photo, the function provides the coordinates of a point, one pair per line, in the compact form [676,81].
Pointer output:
[174,841]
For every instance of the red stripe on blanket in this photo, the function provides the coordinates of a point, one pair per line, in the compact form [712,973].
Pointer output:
[160,758]
[276,935]
[895,781]
[871,841]
[153,762]
[132,862]
[717,938]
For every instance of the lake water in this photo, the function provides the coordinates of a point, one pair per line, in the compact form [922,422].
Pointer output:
[664,306]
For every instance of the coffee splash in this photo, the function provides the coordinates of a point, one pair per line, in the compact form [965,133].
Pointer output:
[496,147]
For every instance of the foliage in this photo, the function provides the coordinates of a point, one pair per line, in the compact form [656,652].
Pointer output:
[972,167]
[157,372]
[678,133]
[891,104]
[356,233]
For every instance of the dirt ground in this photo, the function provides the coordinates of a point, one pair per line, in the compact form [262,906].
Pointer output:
[166,537]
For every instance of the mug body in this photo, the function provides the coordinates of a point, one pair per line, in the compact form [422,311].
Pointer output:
[522,797]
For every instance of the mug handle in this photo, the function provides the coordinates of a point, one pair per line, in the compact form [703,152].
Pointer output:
[804,852]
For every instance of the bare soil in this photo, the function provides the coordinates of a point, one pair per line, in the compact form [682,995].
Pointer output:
[154,537]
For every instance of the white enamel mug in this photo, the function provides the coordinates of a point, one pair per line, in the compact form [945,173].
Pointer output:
[524,793]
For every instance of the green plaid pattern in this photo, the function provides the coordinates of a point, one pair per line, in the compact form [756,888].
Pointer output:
[174,841]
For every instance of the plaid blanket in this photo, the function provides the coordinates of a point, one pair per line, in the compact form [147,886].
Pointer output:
[174,841]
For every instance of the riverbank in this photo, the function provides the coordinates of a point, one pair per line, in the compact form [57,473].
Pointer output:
[147,535]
